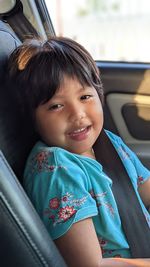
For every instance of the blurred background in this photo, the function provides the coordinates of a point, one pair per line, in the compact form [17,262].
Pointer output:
[114,30]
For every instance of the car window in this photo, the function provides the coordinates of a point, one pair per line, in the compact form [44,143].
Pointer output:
[116,30]
[37,14]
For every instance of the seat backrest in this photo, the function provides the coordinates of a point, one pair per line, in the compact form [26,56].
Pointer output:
[16,139]
[24,240]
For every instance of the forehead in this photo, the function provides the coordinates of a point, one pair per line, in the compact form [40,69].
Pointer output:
[70,88]
[71,84]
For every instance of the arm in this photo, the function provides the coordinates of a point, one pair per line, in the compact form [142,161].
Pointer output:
[144,191]
[80,248]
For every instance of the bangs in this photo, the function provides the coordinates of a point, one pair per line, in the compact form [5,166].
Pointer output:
[48,71]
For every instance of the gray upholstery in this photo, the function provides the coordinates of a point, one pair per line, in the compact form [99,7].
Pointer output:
[15,138]
[24,240]
[8,42]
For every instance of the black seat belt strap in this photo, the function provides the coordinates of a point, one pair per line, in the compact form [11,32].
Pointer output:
[133,220]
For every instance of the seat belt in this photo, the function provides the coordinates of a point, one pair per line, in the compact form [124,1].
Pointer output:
[132,217]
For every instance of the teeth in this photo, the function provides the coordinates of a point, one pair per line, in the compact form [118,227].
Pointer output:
[79,130]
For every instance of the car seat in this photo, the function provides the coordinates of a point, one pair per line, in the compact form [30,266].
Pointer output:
[24,239]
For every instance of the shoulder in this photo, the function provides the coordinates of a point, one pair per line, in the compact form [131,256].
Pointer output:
[122,149]
[115,139]
[45,161]
[130,160]
[124,152]
[41,152]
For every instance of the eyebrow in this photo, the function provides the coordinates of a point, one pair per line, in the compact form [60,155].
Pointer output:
[81,89]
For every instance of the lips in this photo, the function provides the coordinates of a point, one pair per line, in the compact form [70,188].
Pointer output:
[80,133]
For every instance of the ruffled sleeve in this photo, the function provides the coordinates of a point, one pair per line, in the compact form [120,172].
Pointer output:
[59,189]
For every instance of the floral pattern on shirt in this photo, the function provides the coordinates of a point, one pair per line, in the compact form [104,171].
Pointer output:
[102,243]
[99,198]
[105,252]
[39,163]
[125,156]
[62,209]
[140,180]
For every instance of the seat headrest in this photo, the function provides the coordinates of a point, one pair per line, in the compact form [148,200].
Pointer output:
[8,42]
[16,139]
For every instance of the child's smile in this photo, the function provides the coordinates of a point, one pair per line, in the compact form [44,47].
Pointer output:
[80,134]
[72,119]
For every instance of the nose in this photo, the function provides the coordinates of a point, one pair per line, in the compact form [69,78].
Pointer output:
[76,112]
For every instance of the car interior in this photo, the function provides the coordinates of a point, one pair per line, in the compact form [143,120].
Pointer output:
[24,238]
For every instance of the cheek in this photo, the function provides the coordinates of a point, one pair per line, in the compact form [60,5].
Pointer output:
[98,114]
[97,108]
[99,120]
[49,127]
[42,123]
[47,131]
[41,129]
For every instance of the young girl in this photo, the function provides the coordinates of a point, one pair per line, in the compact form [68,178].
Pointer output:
[59,87]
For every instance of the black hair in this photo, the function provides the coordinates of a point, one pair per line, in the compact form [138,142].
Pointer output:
[37,69]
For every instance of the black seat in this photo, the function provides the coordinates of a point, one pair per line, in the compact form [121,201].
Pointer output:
[24,240]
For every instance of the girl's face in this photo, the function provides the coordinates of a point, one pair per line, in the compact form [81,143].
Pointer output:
[72,119]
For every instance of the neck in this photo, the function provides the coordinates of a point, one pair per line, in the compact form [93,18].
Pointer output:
[90,154]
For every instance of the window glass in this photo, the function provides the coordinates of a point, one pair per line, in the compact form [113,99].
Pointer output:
[117,30]
[31,12]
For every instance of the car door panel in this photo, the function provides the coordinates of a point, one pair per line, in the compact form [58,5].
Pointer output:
[127,105]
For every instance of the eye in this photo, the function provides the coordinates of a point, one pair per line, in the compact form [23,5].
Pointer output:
[86,97]
[55,107]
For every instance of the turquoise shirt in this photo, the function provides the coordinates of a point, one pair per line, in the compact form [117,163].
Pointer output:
[66,188]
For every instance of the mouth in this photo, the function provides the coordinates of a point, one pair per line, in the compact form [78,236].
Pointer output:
[80,133]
